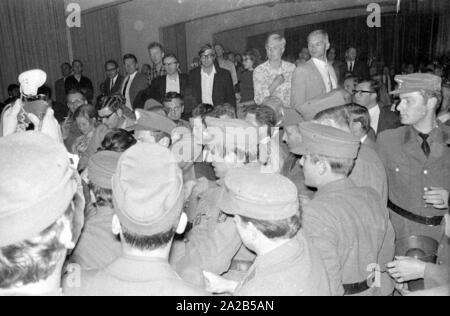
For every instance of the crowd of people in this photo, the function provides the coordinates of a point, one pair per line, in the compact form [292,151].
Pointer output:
[153,185]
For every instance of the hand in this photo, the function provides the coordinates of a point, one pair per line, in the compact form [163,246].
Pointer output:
[405,269]
[278,81]
[216,284]
[188,186]
[10,118]
[402,288]
[438,197]
[48,126]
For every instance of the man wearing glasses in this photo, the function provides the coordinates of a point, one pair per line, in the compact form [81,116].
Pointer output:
[173,81]
[210,84]
[114,79]
[381,116]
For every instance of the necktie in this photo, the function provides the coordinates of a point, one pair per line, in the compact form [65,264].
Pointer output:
[425,146]
[124,91]
[112,85]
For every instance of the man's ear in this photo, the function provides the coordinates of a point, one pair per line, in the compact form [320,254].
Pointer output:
[182,224]
[323,167]
[165,141]
[116,227]
[432,103]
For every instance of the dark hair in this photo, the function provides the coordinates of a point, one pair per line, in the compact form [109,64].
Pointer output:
[66,64]
[130,56]
[13,86]
[220,110]
[34,259]
[285,228]
[87,111]
[114,102]
[147,242]
[171,56]
[118,140]
[204,48]
[359,113]
[202,110]
[104,197]
[45,90]
[77,61]
[374,86]
[254,56]
[264,114]
[172,95]
[112,62]
[341,166]
[154,45]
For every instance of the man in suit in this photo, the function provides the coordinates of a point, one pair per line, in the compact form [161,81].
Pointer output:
[316,77]
[114,81]
[336,64]
[79,82]
[134,82]
[360,124]
[354,66]
[173,81]
[381,116]
[210,84]
[59,106]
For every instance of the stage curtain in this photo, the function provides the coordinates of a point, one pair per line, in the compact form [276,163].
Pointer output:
[442,43]
[97,41]
[33,35]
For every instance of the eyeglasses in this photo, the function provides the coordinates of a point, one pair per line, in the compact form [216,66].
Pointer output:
[207,56]
[362,91]
[111,69]
[106,116]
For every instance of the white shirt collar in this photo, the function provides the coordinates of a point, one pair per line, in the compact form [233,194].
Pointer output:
[209,75]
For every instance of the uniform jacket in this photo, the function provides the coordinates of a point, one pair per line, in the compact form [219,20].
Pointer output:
[294,269]
[350,227]
[131,276]
[97,247]
[410,172]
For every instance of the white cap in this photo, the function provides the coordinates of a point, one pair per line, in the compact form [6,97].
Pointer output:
[31,80]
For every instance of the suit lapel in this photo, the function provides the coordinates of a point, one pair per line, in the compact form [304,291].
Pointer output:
[318,77]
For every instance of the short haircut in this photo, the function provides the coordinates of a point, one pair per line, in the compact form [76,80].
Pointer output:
[87,111]
[204,48]
[202,110]
[264,114]
[276,37]
[221,46]
[66,64]
[155,45]
[130,56]
[118,140]
[35,259]
[320,32]
[147,242]
[284,229]
[338,114]
[103,197]
[360,114]
[342,166]
[77,61]
[75,91]
[433,94]
[114,102]
[112,62]
[45,90]
[221,110]
[171,56]
[172,95]
[374,86]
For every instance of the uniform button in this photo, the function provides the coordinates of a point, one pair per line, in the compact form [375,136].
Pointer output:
[440,263]
[441,247]
[397,170]
[425,172]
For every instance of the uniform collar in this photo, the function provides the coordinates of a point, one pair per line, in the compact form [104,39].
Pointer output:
[438,139]
[339,185]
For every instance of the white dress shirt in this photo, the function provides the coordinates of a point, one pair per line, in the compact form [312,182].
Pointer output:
[113,82]
[327,72]
[173,85]
[207,86]
[127,91]
[374,117]
[350,66]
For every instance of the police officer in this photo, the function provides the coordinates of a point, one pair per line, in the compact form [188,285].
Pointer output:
[348,224]
[417,160]
[268,218]
[148,198]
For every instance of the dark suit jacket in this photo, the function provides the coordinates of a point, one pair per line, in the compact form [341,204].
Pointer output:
[388,119]
[60,104]
[157,90]
[107,91]
[85,85]
[139,84]
[223,90]
[360,69]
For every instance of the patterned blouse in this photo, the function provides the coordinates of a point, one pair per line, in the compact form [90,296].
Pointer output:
[264,75]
